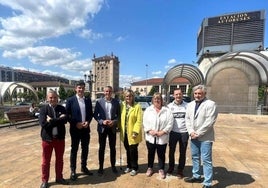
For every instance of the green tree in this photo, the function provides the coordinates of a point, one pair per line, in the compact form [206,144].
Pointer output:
[41,95]
[70,92]
[153,90]
[261,93]
[62,93]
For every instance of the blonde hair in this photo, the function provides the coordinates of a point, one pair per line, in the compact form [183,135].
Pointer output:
[157,95]
[130,92]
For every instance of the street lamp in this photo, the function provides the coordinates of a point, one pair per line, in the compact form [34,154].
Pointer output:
[146,78]
[90,79]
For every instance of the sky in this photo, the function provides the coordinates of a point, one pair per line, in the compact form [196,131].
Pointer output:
[60,37]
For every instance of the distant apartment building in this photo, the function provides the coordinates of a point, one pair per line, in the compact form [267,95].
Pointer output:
[38,81]
[8,74]
[144,87]
[105,71]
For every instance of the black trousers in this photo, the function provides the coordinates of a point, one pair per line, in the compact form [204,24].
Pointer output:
[174,138]
[132,154]
[102,143]
[76,138]
[161,152]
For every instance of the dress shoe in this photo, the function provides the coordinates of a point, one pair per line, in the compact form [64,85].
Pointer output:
[205,186]
[62,181]
[193,180]
[73,176]
[180,174]
[100,172]
[44,185]
[170,171]
[86,171]
[114,170]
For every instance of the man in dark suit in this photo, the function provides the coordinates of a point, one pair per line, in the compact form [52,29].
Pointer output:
[79,113]
[107,114]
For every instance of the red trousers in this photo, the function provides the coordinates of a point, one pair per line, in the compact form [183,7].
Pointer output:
[58,146]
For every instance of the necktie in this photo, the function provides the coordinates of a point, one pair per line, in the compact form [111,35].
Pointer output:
[197,104]
[55,129]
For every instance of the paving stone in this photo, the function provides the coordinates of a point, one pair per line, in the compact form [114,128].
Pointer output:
[239,154]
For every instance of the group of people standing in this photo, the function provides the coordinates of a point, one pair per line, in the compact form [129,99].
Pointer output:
[160,124]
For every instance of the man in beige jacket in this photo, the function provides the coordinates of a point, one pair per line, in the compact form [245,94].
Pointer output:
[201,115]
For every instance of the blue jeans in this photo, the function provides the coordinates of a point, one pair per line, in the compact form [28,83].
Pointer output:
[202,150]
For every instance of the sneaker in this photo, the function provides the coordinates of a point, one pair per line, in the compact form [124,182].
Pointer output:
[133,172]
[162,174]
[149,172]
[127,170]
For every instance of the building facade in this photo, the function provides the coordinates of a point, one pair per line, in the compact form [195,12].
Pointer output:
[8,74]
[232,62]
[143,87]
[105,71]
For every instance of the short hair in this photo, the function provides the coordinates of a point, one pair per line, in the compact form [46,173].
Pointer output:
[178,89]
[109,87]
[52,92]
[158,95]
[202,87]
[80,83]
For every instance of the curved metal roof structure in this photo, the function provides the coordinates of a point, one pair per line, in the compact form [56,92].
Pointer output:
[256,59]
[188,71]
[11,86]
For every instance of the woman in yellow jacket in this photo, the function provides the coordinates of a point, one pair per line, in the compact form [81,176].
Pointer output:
[131,130]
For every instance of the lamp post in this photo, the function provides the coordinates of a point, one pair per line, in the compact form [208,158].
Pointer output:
[90,79]
[146,78]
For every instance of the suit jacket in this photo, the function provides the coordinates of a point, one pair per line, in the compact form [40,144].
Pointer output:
[46,130]
[100,115]
[74,113]
[203,120]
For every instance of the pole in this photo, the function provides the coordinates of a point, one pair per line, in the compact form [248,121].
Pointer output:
[120,152]
[146,78]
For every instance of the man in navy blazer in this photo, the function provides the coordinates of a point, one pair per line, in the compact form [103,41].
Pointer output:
[107,114]
[79,114]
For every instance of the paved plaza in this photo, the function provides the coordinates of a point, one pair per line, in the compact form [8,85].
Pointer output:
[240,156]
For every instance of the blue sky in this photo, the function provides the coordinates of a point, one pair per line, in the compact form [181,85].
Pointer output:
[60,37]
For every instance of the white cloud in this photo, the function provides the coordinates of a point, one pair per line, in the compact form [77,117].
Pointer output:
[172,61]
[44,55]
[126,80]
[89,34]
[120,38]
[156,73]
[34,21]
[79,65]
[167,66]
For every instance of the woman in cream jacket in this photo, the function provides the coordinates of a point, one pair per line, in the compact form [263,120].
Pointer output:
[157,123]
